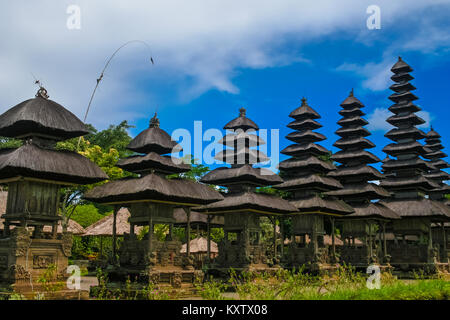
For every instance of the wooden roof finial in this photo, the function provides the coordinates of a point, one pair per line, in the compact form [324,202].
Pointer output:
[154,122]
[242,112]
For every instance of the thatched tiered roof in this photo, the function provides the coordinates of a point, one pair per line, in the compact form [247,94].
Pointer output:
[242,177]
[405,173]
[33,161]
[153,185]
[306,173]
[354,173]
[437,174]
[42,117]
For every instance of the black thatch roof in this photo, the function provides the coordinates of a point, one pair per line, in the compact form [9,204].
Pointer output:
[304,111]
[361,156]
[399,87]
[401,67]
[153,187]
[152,160]
[360,191]
[305,149]
[408,183]
[241,156]
[395,149]
[305,136]
[242,174]
[249,201]
[353,131]
[410,118]
[362,171]
[418,207]
[154,139]
[242,139]
[373,210]
[392,165]
[352,120]
[312,181]
[398,97]
[196,218]
[62,166]
[351,101]
[41,117]
[241,122]
[310,163]
[358,142]
[397,134]
[316,204]
[404,107]
[304,124]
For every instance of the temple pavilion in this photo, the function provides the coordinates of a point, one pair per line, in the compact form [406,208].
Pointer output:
[151,199]
[306,179]
[242,207]
[405,178]
[34,174]
[368,222]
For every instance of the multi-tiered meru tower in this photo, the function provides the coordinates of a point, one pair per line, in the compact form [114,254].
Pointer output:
[305,175]
[436,157]
[405,178]
[242,207]
[151,199]
[355,173]
[35,174]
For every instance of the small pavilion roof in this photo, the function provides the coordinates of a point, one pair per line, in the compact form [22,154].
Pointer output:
[43,117]
[408,183]
[358,142]
[369,173]
[104,226]
[154,139]
[305,149]
[249,201]
[304,124]
[241,156]
[242,138]
[153,187]
[65,167]
[200,245]
[241,122]
[362,156]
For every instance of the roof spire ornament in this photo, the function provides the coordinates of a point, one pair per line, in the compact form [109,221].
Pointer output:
[242,112]
[303,101]
[351,93]
[154,122]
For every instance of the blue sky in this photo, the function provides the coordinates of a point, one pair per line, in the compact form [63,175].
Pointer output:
[211,58]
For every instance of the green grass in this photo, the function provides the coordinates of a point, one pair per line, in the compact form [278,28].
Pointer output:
[345,284]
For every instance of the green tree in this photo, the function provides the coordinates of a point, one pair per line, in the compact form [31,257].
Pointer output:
[9,143]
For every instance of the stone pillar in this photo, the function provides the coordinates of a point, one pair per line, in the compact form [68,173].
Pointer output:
[55,230]
[150,236]
[188,231]
[282,236]
[384,240]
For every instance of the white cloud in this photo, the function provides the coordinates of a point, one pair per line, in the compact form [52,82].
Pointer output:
[197,45]
[377,120]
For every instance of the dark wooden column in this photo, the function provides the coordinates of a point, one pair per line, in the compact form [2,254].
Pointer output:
[445,242]
[150,235]
[333,245]
[208,246]
[282,236]
[116,209]
[384,240]
[188,231]
[274,222]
